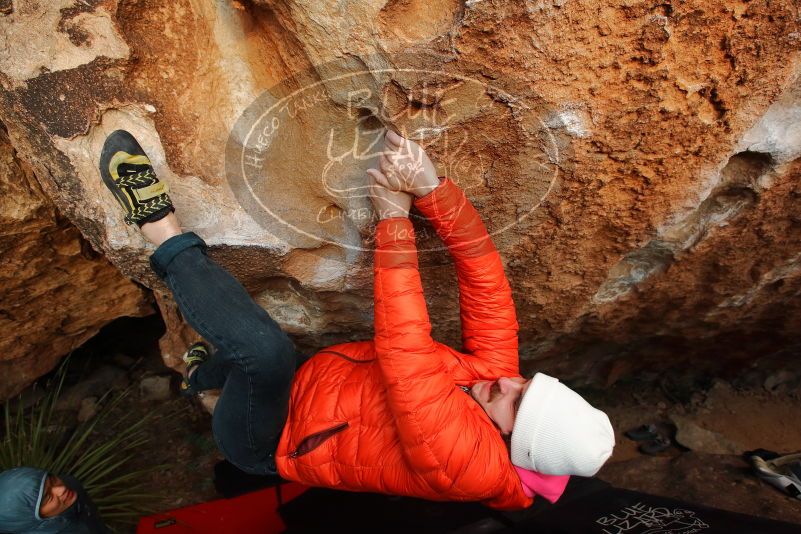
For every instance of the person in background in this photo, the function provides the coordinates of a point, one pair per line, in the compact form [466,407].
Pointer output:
[33,500]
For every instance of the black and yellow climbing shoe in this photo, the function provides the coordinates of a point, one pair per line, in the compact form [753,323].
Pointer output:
[127,171]
[197,354]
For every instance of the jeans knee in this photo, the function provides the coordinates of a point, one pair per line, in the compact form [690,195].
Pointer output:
[271,356]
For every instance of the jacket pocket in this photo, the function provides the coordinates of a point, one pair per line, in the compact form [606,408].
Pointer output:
[312,441]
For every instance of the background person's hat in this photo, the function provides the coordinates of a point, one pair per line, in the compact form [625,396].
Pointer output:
[20,499]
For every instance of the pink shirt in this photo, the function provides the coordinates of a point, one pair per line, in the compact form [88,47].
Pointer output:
[549,486]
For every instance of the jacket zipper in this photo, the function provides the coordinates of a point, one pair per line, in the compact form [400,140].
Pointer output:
[311,442]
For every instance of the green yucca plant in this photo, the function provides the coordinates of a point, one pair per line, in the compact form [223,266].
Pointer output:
[38,437]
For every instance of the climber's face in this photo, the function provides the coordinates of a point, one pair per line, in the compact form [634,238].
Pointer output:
[501,399]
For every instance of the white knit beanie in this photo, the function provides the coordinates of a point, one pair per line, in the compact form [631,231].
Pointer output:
[557,432]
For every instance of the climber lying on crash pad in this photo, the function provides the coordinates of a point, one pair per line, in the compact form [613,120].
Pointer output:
[398,414]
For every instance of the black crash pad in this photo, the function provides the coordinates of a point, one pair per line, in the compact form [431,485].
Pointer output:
[588,506]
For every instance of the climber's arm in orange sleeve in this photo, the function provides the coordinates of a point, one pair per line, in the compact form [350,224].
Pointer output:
[419,388]
[489,320]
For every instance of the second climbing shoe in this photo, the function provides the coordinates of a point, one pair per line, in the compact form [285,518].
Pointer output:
[197,354]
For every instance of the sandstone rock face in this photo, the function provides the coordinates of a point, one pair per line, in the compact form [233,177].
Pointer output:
[56,292]
[637,162]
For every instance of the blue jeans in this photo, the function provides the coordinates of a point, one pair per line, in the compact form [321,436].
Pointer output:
[254,361]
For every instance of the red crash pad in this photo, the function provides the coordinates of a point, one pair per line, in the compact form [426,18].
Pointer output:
[252,512]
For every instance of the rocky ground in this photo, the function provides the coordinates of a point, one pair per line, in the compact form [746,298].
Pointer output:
[711,422]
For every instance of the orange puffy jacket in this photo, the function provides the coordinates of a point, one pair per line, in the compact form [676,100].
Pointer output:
[388,415]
